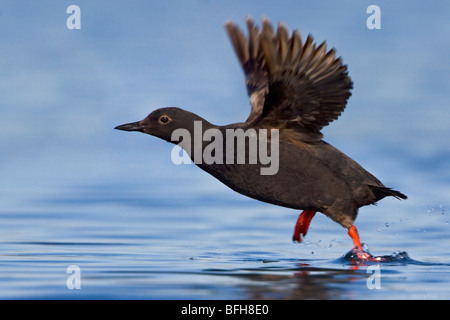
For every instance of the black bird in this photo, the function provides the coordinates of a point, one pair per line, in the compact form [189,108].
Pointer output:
[296,88]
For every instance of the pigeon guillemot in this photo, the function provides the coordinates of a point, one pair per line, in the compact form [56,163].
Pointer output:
[295,89]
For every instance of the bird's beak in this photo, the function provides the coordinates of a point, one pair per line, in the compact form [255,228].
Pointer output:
[134,126]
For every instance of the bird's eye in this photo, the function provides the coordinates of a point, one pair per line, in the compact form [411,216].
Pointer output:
[164,119]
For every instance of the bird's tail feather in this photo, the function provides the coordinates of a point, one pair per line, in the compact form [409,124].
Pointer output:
[382,192]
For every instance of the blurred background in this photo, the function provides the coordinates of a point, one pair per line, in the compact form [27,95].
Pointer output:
[73,190]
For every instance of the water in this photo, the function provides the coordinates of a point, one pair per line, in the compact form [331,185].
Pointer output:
[129,244]
[75,192]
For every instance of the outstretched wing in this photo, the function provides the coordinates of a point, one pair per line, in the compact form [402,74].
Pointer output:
[253,62]
[291,84]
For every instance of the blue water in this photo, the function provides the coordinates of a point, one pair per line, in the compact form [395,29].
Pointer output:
[138,241]
[75,192]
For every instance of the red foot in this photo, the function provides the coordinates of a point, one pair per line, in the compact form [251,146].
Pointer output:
[358,250]
[353,233]
[302,225]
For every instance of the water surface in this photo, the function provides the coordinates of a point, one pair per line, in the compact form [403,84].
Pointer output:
[170,246]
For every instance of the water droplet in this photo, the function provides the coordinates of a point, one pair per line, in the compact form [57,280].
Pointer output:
[365,247]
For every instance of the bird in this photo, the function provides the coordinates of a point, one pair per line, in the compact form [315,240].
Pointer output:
[295,89]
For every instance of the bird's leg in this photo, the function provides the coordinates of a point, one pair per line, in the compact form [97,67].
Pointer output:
[353,233]
[302,225]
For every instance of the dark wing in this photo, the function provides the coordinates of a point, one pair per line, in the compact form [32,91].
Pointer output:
[291,84]
[253,62]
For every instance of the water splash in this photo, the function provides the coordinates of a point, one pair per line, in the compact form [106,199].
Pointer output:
[364,257]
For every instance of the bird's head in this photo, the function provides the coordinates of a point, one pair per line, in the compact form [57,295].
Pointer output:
[163,122]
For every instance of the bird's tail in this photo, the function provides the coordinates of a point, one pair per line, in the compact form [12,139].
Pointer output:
[382,192]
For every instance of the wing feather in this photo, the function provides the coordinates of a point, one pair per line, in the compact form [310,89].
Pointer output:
[291,84]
